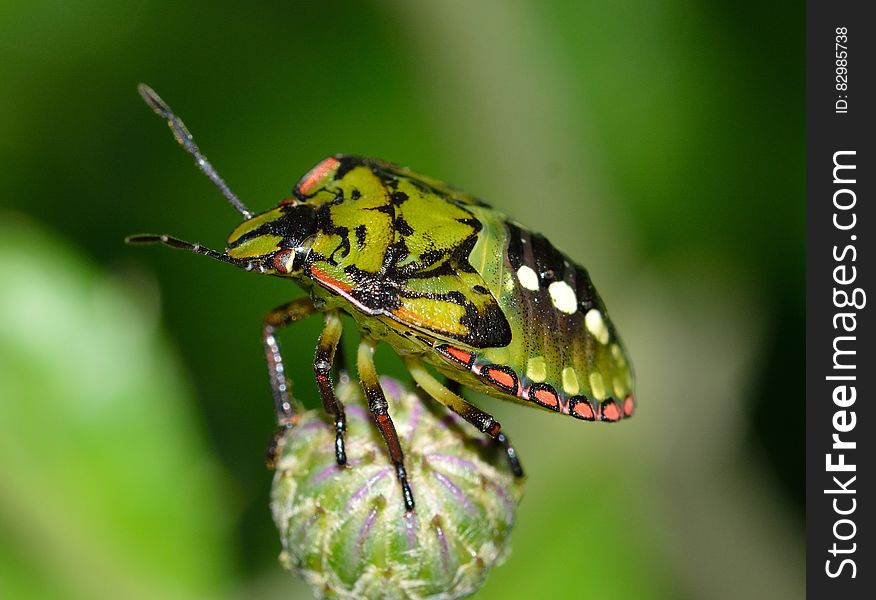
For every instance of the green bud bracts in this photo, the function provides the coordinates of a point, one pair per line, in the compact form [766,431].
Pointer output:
[345,530]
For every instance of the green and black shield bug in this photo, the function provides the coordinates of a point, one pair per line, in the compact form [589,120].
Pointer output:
[438,275]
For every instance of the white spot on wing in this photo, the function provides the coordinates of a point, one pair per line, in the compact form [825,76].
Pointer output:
[597,387]
[570,381]
[536,369]
[563,297]
[596,326]
[527,277]
[619,389]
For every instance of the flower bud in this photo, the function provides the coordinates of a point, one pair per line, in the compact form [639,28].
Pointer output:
[344,529]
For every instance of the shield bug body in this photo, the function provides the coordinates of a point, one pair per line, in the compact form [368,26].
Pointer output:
[438,275]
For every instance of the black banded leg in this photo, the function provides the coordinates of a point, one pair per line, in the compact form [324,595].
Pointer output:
[379,408]
[283,406]
[322,367]
[480,419]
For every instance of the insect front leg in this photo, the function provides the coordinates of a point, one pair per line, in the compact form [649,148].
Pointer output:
[379,408]
[322,367]
[283,407]
[480,419]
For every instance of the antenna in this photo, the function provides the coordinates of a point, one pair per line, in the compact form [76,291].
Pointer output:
[167,240]
[182,135]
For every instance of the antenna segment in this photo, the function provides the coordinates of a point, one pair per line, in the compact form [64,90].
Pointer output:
[185,139]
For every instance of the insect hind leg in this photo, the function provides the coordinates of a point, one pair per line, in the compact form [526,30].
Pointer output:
[454,386]
[480,419]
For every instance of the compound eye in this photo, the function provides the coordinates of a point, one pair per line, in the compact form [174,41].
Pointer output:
[284,260]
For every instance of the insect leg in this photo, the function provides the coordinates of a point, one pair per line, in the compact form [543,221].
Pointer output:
[340,362]
[322,366]
[480,419]
[283,406]
[379,408]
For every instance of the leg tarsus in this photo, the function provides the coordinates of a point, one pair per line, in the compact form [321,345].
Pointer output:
[379,408]
[407,494]
[340,447]
[275,446]
[484,421]
[511,453]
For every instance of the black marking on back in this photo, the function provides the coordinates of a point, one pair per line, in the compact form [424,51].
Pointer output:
[295,224]
[387,209]
[360,236]
[586,292]
[347,164]
[385,290]
[463,251]
[487,330]
[402,226]
[515,249]
[325,225]
[372,289]
[550,265]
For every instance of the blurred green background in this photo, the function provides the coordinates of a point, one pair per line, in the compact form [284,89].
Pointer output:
[660,143]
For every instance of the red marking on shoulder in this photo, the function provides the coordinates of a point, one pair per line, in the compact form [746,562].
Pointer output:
[610,411]
[580,407]
[545,395]
[290,202]
[629,406]
[329,281]
[309,181]
[500,376]
[456,354]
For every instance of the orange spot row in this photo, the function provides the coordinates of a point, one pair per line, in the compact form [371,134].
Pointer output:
[456,354]
[629,406]
[545,395]
[581,408]
[505,379]
[500,376]
[610,411]
[607,410]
